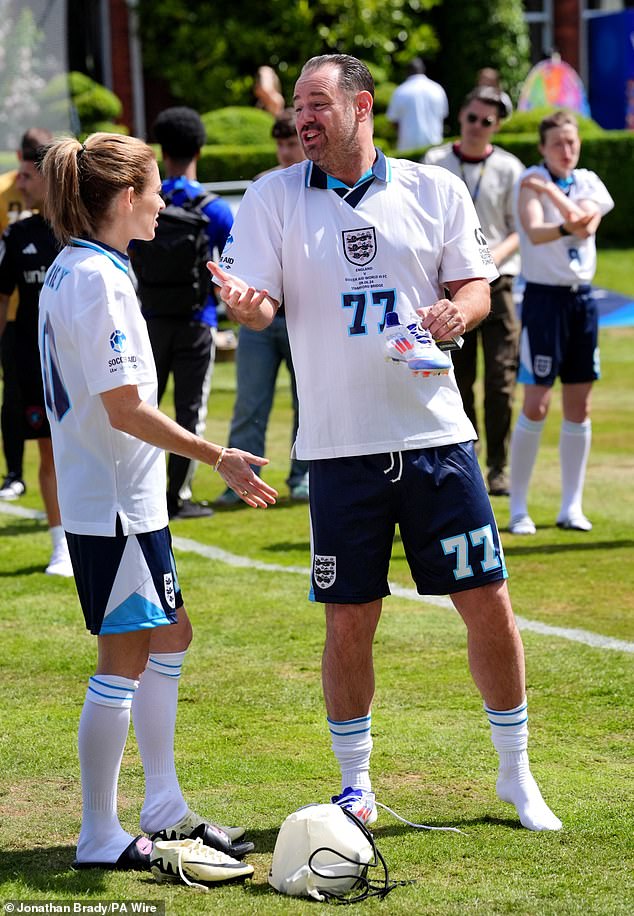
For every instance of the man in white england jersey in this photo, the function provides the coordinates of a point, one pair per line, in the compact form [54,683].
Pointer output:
[356,243]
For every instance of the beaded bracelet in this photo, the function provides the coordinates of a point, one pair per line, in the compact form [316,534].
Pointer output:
[219,459]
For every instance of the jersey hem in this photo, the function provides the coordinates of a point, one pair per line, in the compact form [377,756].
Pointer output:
[380,448]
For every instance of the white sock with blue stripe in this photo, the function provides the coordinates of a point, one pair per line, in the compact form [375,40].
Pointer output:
[352,746]
[154,717]
[103,730]
[515,783]
[574,447]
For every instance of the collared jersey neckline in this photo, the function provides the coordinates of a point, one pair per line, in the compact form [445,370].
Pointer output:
[118,258]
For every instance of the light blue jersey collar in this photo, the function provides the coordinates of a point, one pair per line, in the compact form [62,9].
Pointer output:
[120,260]
[317,178]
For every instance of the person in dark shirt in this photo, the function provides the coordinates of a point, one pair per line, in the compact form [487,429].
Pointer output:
[185,344]
[27,250]
[12,208]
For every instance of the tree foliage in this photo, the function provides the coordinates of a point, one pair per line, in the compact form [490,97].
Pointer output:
[208,52]
[477,35]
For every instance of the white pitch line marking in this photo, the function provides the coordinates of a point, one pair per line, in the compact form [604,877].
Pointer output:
[587,638]
[596,640]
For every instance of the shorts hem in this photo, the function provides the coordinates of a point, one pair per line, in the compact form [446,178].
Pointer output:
[467,585]
[338,599]
[134,627]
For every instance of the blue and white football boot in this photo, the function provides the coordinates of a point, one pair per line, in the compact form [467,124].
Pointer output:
[414,347]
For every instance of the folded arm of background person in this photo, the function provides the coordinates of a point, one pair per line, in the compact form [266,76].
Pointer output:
[580,218]
[128,413]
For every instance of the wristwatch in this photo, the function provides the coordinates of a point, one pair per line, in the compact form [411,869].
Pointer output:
[562,230]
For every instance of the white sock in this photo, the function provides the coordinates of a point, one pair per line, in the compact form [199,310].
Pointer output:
[352,746]
[103,729]
[515,783]
[154,717]
[524,446]
[58,535]
[574,448]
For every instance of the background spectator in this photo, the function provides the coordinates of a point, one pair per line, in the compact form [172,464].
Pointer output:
[12,205]
[268,90]
[27,251]
[183,338]
[490,174]
[418,107]
[489,76]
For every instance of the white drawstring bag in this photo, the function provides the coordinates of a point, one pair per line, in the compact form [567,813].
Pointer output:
[321,852]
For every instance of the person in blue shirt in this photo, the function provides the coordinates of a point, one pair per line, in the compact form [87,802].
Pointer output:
[184,343]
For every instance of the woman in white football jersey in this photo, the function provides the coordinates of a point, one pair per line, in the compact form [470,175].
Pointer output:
[108,440]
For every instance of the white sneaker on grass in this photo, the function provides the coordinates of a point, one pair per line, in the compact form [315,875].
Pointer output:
[195,864]
[12,488]
[195,827]
[59,564]
[574,522]
[522,524]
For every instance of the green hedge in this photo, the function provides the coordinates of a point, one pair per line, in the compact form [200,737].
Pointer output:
[237,125]
[235,163]
[611,156]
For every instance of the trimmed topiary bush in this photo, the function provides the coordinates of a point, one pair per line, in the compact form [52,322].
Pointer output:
[94,106]
[527,122]
[237,125]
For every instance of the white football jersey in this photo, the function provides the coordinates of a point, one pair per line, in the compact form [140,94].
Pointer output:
[340,263]
[93,339]
[568,260]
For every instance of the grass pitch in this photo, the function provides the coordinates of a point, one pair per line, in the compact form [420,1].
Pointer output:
[252,743]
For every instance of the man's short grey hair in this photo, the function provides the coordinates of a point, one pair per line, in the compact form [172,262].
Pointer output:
[354,76]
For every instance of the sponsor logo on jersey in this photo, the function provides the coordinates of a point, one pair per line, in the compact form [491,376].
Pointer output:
[118,341]
[359,245]
[324,571]
[226,261]
[122,361]
[170,593]
[483,245]
[35,277]
[542,366]
[30,249]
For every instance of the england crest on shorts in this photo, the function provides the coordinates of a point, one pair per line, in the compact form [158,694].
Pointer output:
[542,366]
[170,594]
[359,245]
[324,571]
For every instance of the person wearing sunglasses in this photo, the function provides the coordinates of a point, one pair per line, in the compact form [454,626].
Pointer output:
[489,173]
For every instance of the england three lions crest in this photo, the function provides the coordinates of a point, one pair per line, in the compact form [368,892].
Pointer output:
[324,571]
[359,245]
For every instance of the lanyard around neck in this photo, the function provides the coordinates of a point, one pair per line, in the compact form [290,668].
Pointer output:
[476,190]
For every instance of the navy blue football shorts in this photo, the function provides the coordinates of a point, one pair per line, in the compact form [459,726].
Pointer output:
[438,499]
[125,583]
[560,335]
